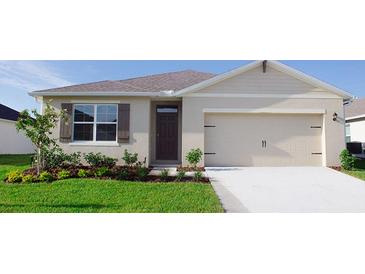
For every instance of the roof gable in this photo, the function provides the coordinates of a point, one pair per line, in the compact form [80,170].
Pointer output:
[308,82]
[255,81]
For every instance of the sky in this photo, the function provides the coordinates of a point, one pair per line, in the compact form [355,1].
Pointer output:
[17,78]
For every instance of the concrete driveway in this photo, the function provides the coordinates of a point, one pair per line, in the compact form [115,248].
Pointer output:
[287,189]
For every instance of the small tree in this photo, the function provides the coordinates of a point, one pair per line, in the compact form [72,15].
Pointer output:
[194,156]
[39,130]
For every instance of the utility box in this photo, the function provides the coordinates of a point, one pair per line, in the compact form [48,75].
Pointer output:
[355,147]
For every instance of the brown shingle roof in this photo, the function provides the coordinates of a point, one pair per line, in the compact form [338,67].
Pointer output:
[356,108]
[158,82]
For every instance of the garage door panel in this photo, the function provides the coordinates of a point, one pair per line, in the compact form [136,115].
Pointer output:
[237,140]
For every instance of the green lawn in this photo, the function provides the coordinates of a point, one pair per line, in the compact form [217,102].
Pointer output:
[13,162]
[90,195]
[359,170]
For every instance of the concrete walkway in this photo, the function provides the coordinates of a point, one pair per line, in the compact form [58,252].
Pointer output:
[287,189]
[156,171]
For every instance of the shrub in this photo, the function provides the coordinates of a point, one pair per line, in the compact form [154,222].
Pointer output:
[180,175]
[74,158]
[198,175]
[45,176]
[164,174]
[99,160]
[347,160]
[130,158]
[142,173]
[123,174]
[55,157]
[28,179]
[194,156]
[14,177]
[63,174]
[102,171]
[82,173]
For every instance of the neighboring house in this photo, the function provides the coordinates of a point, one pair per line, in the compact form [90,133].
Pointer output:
[355,121]
[262,114]
[11,141]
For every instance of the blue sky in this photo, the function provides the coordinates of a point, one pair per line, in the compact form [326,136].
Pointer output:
[19,77]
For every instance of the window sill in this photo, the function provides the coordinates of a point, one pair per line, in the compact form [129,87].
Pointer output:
[95,144]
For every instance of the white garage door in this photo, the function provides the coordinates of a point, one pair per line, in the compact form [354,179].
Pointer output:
[263,140]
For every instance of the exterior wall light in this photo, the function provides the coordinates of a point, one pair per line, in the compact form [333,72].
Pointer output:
[334,116]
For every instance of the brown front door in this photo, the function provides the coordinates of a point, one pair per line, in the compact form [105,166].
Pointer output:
[166,132]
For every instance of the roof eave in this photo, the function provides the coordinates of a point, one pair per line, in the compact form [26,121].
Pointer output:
[167,93]
[355,117]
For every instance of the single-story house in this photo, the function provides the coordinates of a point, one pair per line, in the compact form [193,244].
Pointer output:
[11,141]
[261,114]
[355,121]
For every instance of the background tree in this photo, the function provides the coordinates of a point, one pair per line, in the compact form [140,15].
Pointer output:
[39,129]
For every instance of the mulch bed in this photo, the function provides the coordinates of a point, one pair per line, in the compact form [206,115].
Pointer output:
[114,174]
[338,168]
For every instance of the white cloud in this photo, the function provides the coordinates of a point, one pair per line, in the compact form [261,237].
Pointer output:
[30,75]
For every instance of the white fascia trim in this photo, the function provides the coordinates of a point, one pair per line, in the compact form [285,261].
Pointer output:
[276,65]
[218,78]
[355,117]
[265,110]
[309,79]
[167,93]
[253,95]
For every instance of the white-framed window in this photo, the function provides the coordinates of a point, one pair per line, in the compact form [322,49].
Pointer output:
[347,133]
[95,122]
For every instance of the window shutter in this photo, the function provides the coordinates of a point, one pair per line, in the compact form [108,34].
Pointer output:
[123,123]
[66,124]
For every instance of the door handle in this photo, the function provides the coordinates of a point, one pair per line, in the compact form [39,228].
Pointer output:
[263,143]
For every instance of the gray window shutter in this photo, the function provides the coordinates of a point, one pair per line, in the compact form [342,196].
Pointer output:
[66,124]
[123,123]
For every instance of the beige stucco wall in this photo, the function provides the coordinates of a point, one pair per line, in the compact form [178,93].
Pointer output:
[139,126]
[333,132]
[13,142]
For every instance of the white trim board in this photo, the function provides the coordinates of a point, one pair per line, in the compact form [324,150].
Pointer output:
[255,95]
[265,110]
[95,144]
[355,117]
